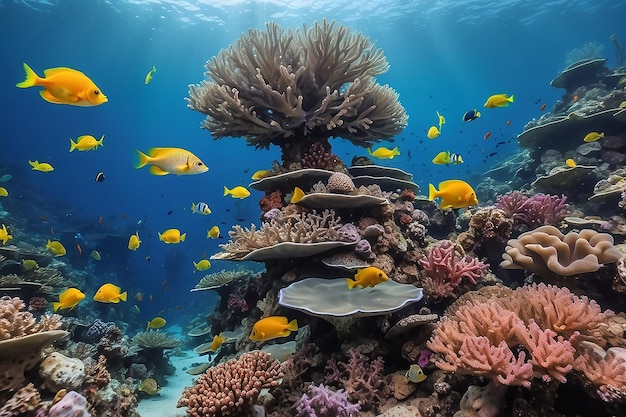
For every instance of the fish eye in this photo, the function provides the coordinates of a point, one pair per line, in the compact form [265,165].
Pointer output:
[200,163]
[96,92]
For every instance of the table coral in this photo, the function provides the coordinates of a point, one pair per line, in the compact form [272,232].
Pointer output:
[232,387]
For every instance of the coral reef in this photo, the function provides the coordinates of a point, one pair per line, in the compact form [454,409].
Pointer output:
[155,340]
[320,401]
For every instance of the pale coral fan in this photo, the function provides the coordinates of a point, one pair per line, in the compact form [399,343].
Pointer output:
[548,252]
[276,85]
[14,322]
[232,387]
[155,340]
[223,277]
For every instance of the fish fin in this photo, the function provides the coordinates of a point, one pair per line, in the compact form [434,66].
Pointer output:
[34,165]
[226,191]
[293,325]
[395,151]
[123,296]
[351,283]
[432,192]
[183,236]
[143,159]
[155,170]
[160,236]
[45,94]
[148,326]
[31,78]
[477,114]
[100,142]
[55,306]
[369,151]
[72,145]
[510,99]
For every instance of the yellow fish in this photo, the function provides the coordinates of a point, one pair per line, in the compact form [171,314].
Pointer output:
[29,264]
[149,386]
[297,195]
[262,173]
[41,166]
[367,277]
[156,323]
[213,233]
[200,208]
[445,158]
[218,340]
[4,235]
[164,161]
[237,192]
[433,132]
[96,255]
[3,192]
[56,247]
[498,100]
[65,86]
[570,163]
[593,136]
[172,236]
[384,153]
[86,143]
[203,265]
[109,293]
[454,194]
[68,299]
[134,242]
[272,327]
[150,74]
[415,374]
[442,120]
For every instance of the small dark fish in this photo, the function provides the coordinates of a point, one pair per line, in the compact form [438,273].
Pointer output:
[241,220]
[493,153]
[99,176]
[500,143]
[227,210]
[148,258]
[222,222]
[538,100]
[170,212]
[543,107]
[487,135]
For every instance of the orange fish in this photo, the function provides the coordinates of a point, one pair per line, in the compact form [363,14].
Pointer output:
[79,249]
[508,123]
[139,297]
[543,107]
[487,135]
[575,98]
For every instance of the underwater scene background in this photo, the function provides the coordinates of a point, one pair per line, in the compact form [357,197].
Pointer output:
[484,258]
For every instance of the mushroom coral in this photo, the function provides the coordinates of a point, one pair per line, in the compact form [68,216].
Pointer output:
[295,88]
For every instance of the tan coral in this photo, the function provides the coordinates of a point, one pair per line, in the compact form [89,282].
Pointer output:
[547,252]
[340,183]
[61,372]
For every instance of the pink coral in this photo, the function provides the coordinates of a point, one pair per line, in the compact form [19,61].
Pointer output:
[446,268]
[536,210]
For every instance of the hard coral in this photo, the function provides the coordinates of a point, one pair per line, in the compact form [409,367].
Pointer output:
[536,210]
[15,322]
[323,402]
[231,388]
[273,200]
[318,156]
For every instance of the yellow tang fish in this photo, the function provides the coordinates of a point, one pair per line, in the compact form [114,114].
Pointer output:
[149,75]
[218,340]
[172,236]
[454,194]
[29,264]
[202,265]
[149,386]
[272,327]
[86,143]
[4,235]
[134,242]
[367,277]
[384,153]
[237,192]
[69,299]
[570,162]
[433,132]
[593,136]
[498,100]
[164,161]
[445,157]
[65,86]
[96,255]
[213,233]
[261,173]
[415,374]
[41,166]
[297,195]
[109,293]
[56,247]
[3,192]
[442,120]
[156,323]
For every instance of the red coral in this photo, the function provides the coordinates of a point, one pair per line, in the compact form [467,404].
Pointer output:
[405,219]
[318,157]
[271,201]
[407,195]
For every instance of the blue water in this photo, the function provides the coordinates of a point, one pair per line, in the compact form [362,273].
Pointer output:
[445,56]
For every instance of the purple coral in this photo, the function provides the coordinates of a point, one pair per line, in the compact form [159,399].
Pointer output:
[71,405]
[97,330]
[324,402]
[363,249]
[537,210]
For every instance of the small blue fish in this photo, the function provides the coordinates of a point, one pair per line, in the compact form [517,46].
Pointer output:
[471,115]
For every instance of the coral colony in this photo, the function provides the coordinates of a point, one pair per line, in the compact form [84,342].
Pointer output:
[510,306]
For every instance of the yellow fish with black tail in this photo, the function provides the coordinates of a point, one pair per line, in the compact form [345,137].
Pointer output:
[384,153]
[156,323]
[272,327]
[498,100]
[218,340]
[56,247]
[214,233]
[367,277]
[150,74]
[41,166]
[445,158]
[86,143]
[4,235]
[68,299]
[64,85]
[454,194]
[237,192]
[134,242]
[110,293]
[172,236]
[164,161]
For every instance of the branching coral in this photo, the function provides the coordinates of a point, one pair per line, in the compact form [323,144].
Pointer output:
[231,388]
[293,88]
[321,401]
[14,322]
[155,340]
[536,210]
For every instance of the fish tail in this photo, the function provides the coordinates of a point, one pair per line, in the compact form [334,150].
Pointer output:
[33,163]
[396,151]
[369,151]
[183,237]
[160,236]
[143,159]
[123,296]
[72,145]
[101,141]
[601,135]
[31,78]
[226,191]
[56,306]
[351,283]
[148,326]
[432,192]
[293,325]
[510,99]
[477,114]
